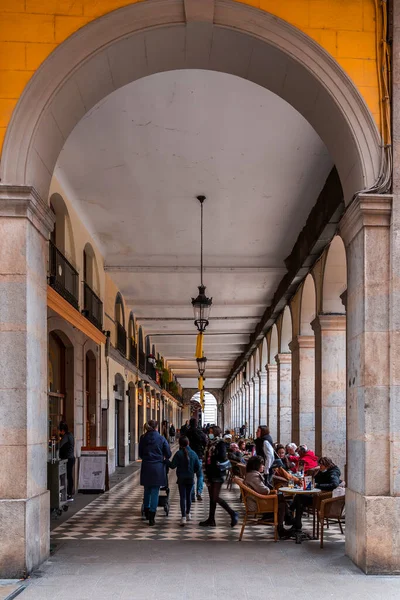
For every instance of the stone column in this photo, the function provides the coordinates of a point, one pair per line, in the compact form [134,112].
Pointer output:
[256,412]
[25,223]
[235,407]
[246,406]
[373,417]
[272,402]
[251,407]
[303,390]
[330,387]
[284,381]
[263,396]
[241,400]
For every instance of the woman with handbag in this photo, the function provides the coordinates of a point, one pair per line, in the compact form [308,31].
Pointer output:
[215,466]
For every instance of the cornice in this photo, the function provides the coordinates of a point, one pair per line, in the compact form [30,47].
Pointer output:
[367,210]
[284,358]
[329,323]
[302,341]
[23,202]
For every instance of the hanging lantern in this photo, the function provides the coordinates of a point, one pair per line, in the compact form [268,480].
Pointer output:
[201,304]
[201,365]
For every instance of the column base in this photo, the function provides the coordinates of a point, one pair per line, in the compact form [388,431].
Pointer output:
[24,535]
[372,532]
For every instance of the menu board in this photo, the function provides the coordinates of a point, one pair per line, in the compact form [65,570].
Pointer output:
[93,470]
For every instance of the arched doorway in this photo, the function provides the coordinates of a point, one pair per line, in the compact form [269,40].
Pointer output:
[119,429]
[210,412]
[91,398]
[60,382]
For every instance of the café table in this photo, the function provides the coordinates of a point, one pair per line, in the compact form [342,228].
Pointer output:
[299,491]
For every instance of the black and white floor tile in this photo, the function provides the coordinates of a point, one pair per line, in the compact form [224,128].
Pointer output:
[116,515]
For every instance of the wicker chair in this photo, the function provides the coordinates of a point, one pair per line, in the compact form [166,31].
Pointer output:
[331,510]
[264,504]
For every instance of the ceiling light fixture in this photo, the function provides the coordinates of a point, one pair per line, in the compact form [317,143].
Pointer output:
[201,365]
[201,304]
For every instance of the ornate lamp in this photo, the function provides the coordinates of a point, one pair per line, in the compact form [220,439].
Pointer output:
[201,365]
[201,304]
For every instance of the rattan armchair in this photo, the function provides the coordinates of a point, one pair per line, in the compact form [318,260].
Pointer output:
[264,504]
[331,510]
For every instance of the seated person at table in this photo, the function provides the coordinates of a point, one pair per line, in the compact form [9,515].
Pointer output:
[242,447]
[255,480]
[234,454]
[282,469]
[306,456]
[327,479]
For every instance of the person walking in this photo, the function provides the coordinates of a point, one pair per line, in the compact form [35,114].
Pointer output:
[154,451]
[198,442]
[172,433]
[186,463]
[215,459]
[185,428]
[66,451]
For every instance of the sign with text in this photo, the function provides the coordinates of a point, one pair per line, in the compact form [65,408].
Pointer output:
[93,467]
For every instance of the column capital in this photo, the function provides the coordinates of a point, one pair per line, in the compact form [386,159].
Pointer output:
[262,375]
[302,341]
[272,368]
[367,210]
[329,323]
[284,358]
[23,201]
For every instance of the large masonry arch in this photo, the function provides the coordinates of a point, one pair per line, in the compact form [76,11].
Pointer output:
[146,38]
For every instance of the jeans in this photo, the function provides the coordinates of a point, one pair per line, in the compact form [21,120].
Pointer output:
[151,494]
[185,494]
[200,481]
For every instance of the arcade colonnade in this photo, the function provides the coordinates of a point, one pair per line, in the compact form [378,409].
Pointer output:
[323,363]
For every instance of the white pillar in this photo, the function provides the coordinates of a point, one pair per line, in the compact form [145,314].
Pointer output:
[256,412]
[303,390]
[263,397]
[272,405]
[284,382]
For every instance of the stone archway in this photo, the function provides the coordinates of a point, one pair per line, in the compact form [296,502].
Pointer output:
[151,37]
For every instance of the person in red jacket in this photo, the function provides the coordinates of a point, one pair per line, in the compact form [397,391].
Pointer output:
[306,456]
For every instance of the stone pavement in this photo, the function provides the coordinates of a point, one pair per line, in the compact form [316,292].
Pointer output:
[107,552]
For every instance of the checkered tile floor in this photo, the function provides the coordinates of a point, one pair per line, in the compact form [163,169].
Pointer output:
[116,515]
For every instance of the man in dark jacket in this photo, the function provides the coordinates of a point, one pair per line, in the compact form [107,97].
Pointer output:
[154,451]
[327,479]
[66,451]
[198,442]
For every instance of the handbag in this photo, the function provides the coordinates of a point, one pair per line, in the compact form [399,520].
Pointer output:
[223,466]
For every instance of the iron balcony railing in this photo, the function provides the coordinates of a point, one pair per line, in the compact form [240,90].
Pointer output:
[142,362]
[93,307]
[121,339]
[132,352]
[63,277]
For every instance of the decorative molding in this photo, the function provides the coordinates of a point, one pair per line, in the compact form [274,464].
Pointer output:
[73,316]
[302,341]
[325,322]
[271,368]
[367,210]
[284,358]
[23,201]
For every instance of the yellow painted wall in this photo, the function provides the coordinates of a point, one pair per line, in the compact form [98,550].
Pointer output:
[31,29]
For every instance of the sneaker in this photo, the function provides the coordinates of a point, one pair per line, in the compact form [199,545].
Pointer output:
[183,521]
[188,517]
[199,498]
[234,519]
[193,499]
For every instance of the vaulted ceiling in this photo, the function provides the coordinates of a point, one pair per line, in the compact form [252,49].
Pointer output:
[136,163]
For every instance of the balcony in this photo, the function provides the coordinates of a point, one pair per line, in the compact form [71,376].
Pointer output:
[121,339]
[93,307]
[142,362]
[63,277]
[132,352]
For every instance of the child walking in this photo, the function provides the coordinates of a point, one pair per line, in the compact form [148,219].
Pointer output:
[186,463]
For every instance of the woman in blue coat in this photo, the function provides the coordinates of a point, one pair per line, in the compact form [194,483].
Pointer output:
[154,451]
